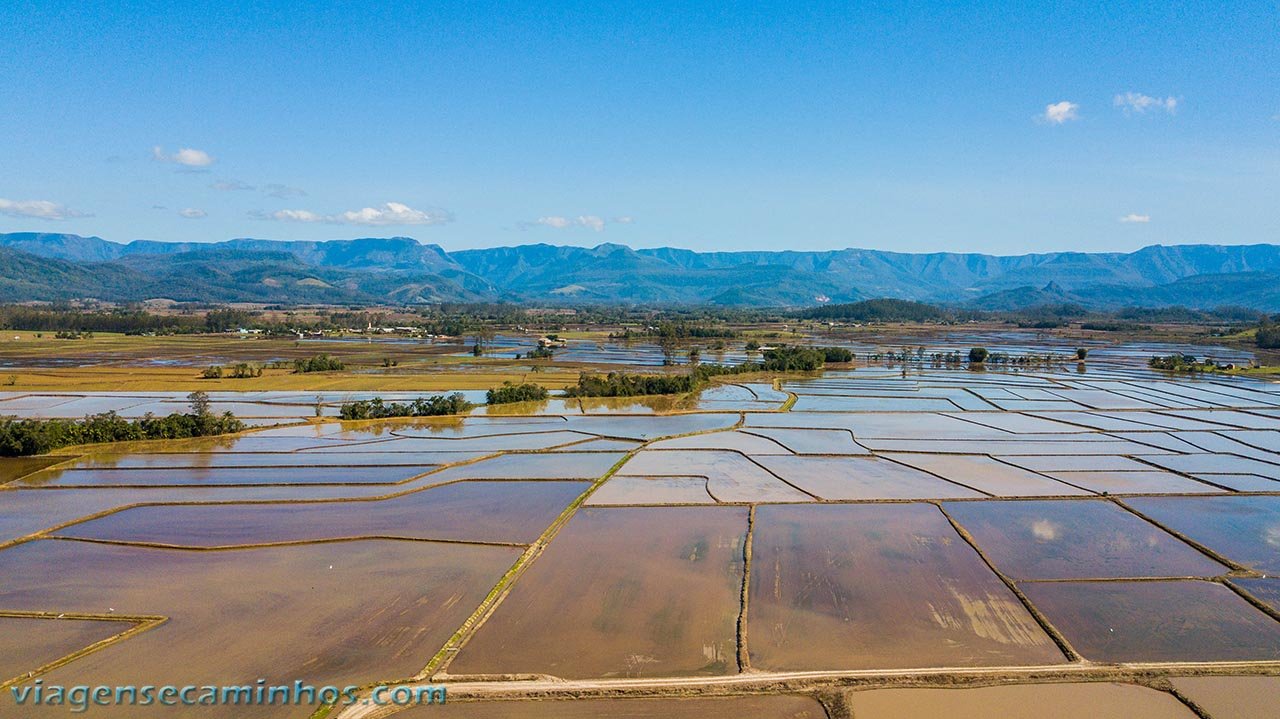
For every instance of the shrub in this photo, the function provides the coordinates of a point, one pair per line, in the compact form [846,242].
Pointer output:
[213,372]
[978,355]
[1082,353]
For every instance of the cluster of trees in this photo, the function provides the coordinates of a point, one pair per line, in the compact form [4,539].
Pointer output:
[240,370]
[511,392]
[20,438]
[318,363]
[980,355]
[778,359]
[1181,363]
[73,335]
[784,358]
[678,330]
[625,384]
[433,406]
[128,321]
[538,352]
[1268,336]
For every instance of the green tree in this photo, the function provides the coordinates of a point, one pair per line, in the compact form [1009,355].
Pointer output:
[200,406]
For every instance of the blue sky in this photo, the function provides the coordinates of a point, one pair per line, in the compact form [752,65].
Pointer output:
[713,126]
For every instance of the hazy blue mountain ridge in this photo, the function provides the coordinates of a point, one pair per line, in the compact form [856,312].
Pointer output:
[402,269]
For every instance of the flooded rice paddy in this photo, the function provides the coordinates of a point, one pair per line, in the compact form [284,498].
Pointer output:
[814,605]
[1027,524]
[626,592]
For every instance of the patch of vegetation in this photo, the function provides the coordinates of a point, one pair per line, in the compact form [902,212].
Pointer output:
[21,438]
[1182,363]
[434,406]
[1268,336]
[777,359]
[794,359]
[625,384]
[1104,326]
[511,392]
[978,355]
[318,363]
[126,321]
[679,330]
[240,370]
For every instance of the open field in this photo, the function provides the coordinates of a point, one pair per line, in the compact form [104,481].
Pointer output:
[866,542]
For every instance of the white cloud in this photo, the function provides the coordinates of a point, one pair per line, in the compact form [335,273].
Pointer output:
[1136,102]
[186,156]
[192,213]
[284,192]
[391,213]
[1044,530]
[560,222]
[1059,112]
[38,209]
[591,221]
[554,221]
[1131,217]
[230,185]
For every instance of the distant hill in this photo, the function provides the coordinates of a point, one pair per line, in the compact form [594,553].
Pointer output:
[25,277]
[400,269]
[879,310]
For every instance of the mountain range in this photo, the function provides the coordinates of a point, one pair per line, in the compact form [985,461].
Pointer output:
[52,267]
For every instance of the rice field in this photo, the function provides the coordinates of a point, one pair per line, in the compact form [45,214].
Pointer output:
[870,542]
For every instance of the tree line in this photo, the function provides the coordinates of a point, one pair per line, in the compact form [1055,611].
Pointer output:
[24,437]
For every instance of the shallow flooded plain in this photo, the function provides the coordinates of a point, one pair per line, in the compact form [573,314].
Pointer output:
[387,540]
[233,616]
